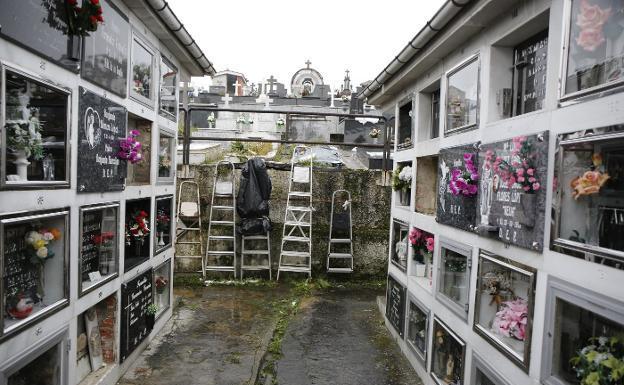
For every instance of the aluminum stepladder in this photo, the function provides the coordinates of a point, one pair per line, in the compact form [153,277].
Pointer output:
[223,192]
[256,252]
[344,220]
[189,211]
[296,248]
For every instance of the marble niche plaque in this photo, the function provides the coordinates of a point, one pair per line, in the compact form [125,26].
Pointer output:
[101,125]
[457,203]
[513,210]
[395,304]
[136,296]
[105,52]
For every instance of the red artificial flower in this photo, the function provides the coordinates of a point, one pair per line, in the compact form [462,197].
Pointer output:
[93,19]
[100,18]
[95,2]
[99,10]
[78,9]
[72,2]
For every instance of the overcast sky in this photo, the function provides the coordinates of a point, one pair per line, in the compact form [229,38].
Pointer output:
[275,37]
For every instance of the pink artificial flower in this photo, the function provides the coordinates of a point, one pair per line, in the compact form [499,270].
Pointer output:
[589,39]
[532,180]
[521,179]
[414,235]
[530,171]
[430,243]
[511,180]
[536,186]
[520,171]
[526,188]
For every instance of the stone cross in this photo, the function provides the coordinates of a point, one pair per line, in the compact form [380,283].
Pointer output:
[331,96]
[237,85]
[227,99]
[271,81]
[263,98]
[308,62]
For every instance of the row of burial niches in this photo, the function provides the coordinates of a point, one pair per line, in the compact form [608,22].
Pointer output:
[37,122]
[36,252]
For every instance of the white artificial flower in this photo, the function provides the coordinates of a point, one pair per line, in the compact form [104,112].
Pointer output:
[32,237]
[47,236]
[602,340]
[406,174]
[42,252]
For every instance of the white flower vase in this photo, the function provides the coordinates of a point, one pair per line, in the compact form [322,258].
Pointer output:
[161,241]
[375,140]
[21,163]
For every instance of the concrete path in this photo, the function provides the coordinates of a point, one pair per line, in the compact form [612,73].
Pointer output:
[217,336]
[338,338]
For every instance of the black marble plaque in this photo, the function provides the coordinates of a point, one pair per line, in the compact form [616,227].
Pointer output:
[530,58]
[105,51]
[509,212]
[101,125]
[395,304]
[40,26]
[457,210]
[136,296]
[89,251]
[20,275]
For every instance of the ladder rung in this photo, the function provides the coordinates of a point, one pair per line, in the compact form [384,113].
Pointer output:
[340,255]
[295,239]
[296,269]
[296,223]
[300,194]
[300,254]
[255,252]
[220,268]
[340,240]
[223,207]
[226,195]
[256,267]
[222,237]
[299,208]
[223,223]
[220,252]
[339,270]
[256,237]
[188,243]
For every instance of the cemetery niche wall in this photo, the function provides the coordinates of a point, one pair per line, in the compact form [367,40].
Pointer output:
[447,355]
[101,125]
[589,200]
[453,283]
[138,232]
[512,197]
[458,186]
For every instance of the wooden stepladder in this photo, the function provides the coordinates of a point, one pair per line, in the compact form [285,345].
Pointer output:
[221,243]
[188,221]
[296,248]
[340,246]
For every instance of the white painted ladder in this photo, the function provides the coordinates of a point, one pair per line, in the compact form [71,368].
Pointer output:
[296,248]
[189,211]
[222,193]
[337,245]
[260,252]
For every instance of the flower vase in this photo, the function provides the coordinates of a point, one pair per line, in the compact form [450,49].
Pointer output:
[420,269]
[161,241]
[527,215]
[404,196]
[21,163]
[375,140]
[137,248]
[150,320]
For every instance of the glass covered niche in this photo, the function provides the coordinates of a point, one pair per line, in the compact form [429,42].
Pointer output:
[454,276]
[162,287]
[447,355]
[138,231]
[462,97]
[99,245]
[164,230]
[34,267]
[168,97]
[417,329]
[595,52]
[166,156]
[35,138]
[589,178]
[142,72]
[504,305]
[400,244]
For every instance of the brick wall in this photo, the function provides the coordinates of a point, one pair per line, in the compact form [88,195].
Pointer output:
[106,311]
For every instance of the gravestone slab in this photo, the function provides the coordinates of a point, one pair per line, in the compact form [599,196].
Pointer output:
[40,26]
[89,249]
[508,212]
[136,296]
[105,52]
[457,210]
[395,304]
[101,125]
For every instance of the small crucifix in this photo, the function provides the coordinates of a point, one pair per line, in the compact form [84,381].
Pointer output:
[227,99]
[237,86]
[308,62]
[264,98]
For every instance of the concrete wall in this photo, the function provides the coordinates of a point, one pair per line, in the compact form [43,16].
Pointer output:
[370,211]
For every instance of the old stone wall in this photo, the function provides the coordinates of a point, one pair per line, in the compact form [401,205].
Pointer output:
[370,216]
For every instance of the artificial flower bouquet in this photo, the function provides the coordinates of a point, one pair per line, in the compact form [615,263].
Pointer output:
[601,362]
[402,178]
[130,148]
[161,283]
[162,220]
[465,180]
[422,242]
[591,181]
[137,227]
[374,132]
[520,168]
[280,123]
[25,136]
[40,242]
[104,239]
[511,319]
[84,19]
